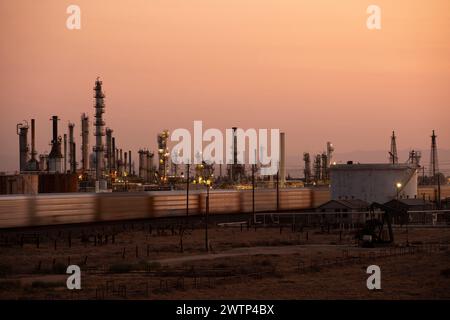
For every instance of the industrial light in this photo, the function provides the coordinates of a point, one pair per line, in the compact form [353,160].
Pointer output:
[399,185]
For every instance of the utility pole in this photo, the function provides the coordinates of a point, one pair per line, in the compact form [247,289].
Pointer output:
[187,189]
[206,219]
[253,192]
[278,189]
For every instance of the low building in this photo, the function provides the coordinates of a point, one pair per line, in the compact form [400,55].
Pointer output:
[415,209]
[415,204]
[347,211]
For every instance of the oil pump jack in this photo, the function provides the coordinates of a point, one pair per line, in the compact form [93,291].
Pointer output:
[374,233]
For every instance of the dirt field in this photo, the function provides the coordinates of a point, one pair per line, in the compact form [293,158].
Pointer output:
[140,261]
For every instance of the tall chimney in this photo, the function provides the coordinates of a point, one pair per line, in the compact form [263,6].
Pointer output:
[109,149]
[72,159]
[84,142]
[125,164]
[65,152]
[22,131]
[114,154]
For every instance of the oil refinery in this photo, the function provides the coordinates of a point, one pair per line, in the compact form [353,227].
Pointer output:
[111,168]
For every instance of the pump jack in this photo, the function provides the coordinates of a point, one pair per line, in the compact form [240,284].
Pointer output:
[373,233]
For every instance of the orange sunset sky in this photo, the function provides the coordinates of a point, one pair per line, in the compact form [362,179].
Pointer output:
[310,68]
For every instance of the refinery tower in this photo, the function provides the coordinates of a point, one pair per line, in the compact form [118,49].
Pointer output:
[99,131]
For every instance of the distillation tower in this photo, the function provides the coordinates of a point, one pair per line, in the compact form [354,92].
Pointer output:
[99,132]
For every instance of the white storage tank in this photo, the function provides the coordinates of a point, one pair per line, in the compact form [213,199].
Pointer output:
[377,182]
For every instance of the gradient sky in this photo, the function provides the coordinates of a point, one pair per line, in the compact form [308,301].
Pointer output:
[310,68]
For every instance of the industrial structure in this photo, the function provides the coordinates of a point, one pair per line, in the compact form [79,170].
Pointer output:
[55,158]
[163,153]
[393,157]
[99,133]
[22,131]
[111,167]
[319,174]
[378,182]
[84,143]
[33,164]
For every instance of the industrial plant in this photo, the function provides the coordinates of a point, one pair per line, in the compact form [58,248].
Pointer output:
[99,191]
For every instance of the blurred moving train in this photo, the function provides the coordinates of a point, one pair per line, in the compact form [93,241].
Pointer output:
[69,208]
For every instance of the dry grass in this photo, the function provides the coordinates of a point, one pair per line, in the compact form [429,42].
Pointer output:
[261,264]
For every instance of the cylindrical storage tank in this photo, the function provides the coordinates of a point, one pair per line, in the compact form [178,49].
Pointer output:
[373,182]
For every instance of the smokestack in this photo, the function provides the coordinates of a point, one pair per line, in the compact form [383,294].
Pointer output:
[84,142]
[22,131]
[109,149]
[282,159]
[33,140]
[72,159]
[117,161]
[65,152]
[55,129]
[114,154]
[234,145]
[125,165]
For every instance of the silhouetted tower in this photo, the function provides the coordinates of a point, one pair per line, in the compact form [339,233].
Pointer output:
[307,170]
[109,150]
[99,132]
[65,151]
[84,142]
[434,167]
[125,165]
[114,154]
[393,158]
